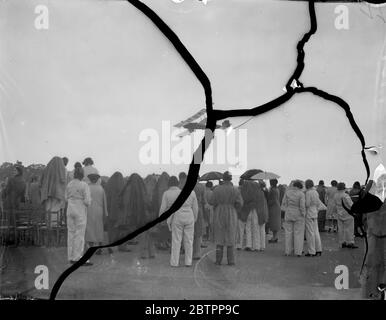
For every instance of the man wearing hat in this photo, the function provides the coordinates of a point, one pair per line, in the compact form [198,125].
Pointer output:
[345,220]
[226,200]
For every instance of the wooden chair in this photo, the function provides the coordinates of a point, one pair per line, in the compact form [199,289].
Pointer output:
[52,226]
[23,228]
[5,228]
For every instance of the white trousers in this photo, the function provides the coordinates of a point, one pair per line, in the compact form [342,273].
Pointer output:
[346,230]
[294,236]
[182,227]
[314,243]
[76,227]
[245,228]
[258,232]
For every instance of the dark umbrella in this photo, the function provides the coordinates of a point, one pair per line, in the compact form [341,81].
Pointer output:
[213,175]
[249,173]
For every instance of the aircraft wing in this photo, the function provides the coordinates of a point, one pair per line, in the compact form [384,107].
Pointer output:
[192,118]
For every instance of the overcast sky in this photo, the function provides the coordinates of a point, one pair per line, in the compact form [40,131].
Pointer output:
[102,74]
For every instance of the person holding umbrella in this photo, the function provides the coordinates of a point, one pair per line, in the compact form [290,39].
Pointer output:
[274,216]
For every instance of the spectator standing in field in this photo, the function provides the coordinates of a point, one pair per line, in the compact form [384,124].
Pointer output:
[244,218]
[77,195]
[96,213]
[321,189]
[258,242]
[199,190]
[274,219]
[226,200]
[345,220]
[208,213]
[314,244]
[294,206]
[181,222]
[331,208]
[354,195]
[113,189]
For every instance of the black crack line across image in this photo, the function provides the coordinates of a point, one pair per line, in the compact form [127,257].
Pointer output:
[194,166]
[212,117]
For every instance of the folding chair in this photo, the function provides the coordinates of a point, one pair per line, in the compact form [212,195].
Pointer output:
[23,228]
[5,228]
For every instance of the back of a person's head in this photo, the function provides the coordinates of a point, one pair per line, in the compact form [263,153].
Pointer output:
[88,162]
[321,183]
[356,185]
[298,184]
[227,176]
[182,176]
[93,178]
[273,182]
[309,184]
[78,173]
[19,170]
[209,184]
[334,183]
[173,182]
[341,186]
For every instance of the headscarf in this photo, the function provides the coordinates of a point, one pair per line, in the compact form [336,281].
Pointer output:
[134,202]
[159,189]
[53,181]
[113,188]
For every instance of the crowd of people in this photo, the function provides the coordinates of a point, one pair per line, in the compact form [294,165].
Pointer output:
[233,217]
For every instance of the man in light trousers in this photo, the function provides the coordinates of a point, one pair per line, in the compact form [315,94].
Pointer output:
[181,222]
[345,220]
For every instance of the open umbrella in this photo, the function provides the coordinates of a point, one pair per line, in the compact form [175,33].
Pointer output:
[213,175]
[249,173]
[265,176]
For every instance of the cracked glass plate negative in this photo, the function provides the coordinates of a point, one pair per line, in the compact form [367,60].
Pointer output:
[292,89]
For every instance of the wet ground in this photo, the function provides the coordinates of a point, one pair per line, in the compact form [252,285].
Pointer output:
[122,275]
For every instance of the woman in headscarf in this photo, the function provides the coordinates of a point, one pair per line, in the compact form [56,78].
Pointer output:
[294,206]
[53,185]
[226,200]
[163,236]
[96,213]
[181,222]
[113,189]
[133,204]
[262,217]
[274,219]
[147,237]
[77,195]
[314,245]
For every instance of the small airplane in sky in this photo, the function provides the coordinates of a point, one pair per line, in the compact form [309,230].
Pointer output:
[191,126]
